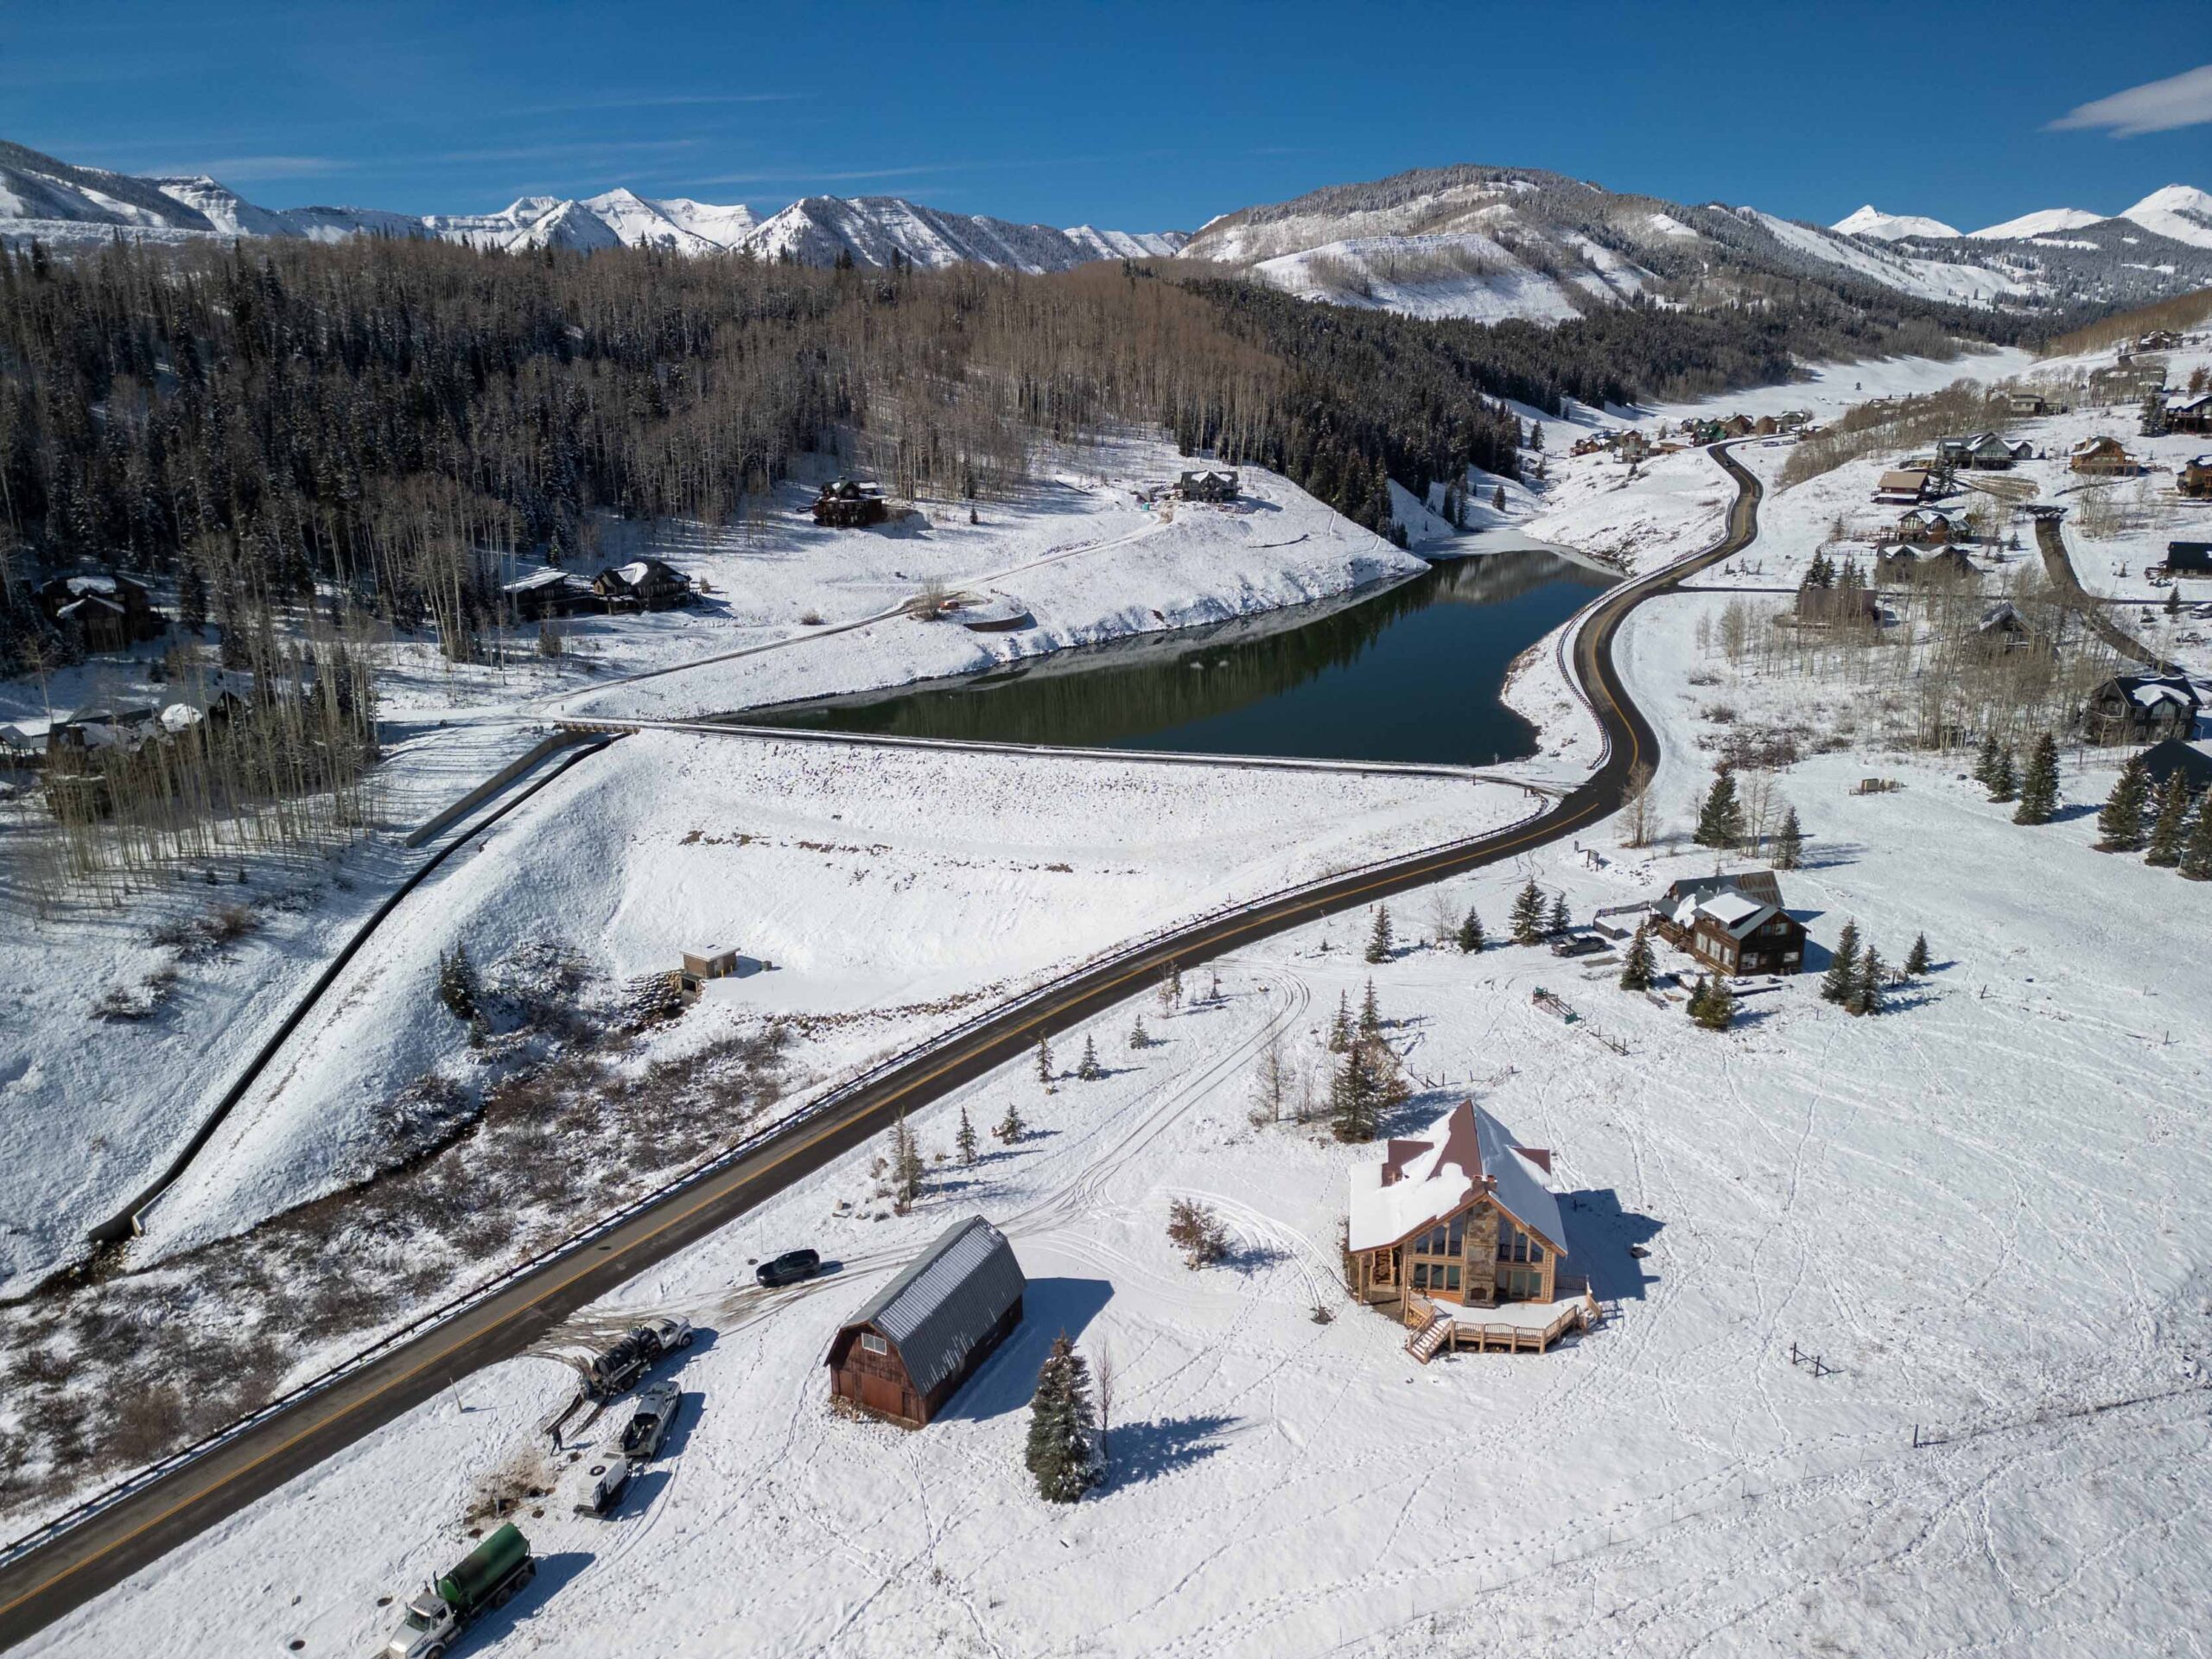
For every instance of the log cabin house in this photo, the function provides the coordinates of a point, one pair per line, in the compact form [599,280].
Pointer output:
[642,585]
[848,504]
[1731,923]
[1928,525]
[1207,484]
[2190,412]
[2102,457]
[2141,708]
[904,1354]
[548,593]
[109,612]
[1461,1233]
[2194,479]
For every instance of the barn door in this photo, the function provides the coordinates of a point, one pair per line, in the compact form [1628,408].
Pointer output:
[884,1395]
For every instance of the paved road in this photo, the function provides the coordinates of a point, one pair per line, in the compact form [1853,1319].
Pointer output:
[139,1529]
[2059,565]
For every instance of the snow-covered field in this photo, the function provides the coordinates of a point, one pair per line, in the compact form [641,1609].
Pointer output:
[1984,1209]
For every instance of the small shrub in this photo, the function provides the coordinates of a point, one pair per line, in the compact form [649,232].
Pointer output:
[1197,1232]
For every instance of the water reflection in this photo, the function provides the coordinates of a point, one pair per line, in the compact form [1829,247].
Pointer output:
[1412,673]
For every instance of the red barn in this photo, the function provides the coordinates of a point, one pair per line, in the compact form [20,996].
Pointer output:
[905,1354]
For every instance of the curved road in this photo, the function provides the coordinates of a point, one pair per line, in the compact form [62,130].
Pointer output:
[137,1530]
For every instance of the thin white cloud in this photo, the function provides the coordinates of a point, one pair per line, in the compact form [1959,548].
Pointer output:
[2183,100]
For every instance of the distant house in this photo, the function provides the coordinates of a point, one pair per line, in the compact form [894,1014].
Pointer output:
[1792,420]
[642,585]
[1733,925]
[2194,479]
[109,612]
[1987,452]
[906,1353]
[548,593]
[2189,558]
[2031,402]
[1461,1230]
[849,504]
[2190,412]
[2171,755]
[2002,629]
[1906,565]
[1737,426]
[1632,445]
[2159,339]
[1766,427]
[1207,484]
[71,739]
[1928,525]
[2102,457]
[2141,708]
[1903,485]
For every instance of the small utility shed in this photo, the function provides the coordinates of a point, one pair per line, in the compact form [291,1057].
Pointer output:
[905,1354]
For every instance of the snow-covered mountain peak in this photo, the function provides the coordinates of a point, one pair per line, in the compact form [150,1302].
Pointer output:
[1890,227]
[2048,221]
[2180,212]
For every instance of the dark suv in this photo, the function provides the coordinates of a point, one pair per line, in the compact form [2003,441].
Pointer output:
[788,1269]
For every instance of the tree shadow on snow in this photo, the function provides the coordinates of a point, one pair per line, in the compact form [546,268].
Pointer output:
[1601,1239]
[1141,1452]
[1007,1380]
[2079,810]
[1252,1256]
[1826,855]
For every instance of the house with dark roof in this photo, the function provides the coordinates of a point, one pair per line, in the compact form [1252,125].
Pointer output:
[904,1354]
[1928,526]
[1208,483]
[642,585]
[851,504]
[2102,457]
[550,592]
[2195,478]
[2171,755]
[1901,563]
[1731,923]
[1985,451]
[2189,558]
[1461,1230]
[2141,708]
[2189,412]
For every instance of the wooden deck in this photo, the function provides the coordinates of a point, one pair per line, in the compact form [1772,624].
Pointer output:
[1436,1327]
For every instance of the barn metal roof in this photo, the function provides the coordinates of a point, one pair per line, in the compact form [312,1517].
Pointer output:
[946,1301]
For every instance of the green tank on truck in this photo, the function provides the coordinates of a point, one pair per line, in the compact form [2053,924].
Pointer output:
[487,1577]
[484,1569]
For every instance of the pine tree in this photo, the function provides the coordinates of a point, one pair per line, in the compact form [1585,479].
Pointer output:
[2120,825]
[1718,1011]
[1985,765]
[1470,937]
[2168,828]
[907,1167]
[1560,920]
[1063,1453]
[1842,980]
[1497,499]
[1044,1060]
[1370,1016]
[1340,1027]
[2004,778]
[1866,993]
[1087,1070]
[1010,1128]
[1528,917]
[1354,1095]
[965,1140]
[1915,960]
[2196,847]
[1698,991]
[1720,820]
[1139,1037]
[1637,969]
[457,985]
[1379,941]
[2039,788]
[1789,842]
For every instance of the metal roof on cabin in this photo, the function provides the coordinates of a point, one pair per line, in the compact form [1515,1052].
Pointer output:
[946,1300]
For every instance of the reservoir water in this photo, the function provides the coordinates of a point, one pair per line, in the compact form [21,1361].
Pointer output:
[1410,672]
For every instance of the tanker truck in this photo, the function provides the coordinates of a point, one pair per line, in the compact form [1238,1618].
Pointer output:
[487,1577]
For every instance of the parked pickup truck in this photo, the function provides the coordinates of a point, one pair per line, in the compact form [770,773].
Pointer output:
[611,1372]
[649,1424]
[487,1577]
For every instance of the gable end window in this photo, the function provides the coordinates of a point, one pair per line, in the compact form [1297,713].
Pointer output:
[874,1343]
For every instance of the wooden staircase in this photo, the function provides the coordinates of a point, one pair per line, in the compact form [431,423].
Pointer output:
[1425,1343]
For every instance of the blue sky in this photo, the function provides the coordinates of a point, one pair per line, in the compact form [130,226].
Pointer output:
[1137,117]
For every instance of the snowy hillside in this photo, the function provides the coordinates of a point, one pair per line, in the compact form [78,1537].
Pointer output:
[2179,212]
[1888,227]
[1487,243]
[2046,222]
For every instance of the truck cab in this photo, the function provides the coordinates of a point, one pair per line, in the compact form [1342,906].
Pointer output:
[429,1628]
